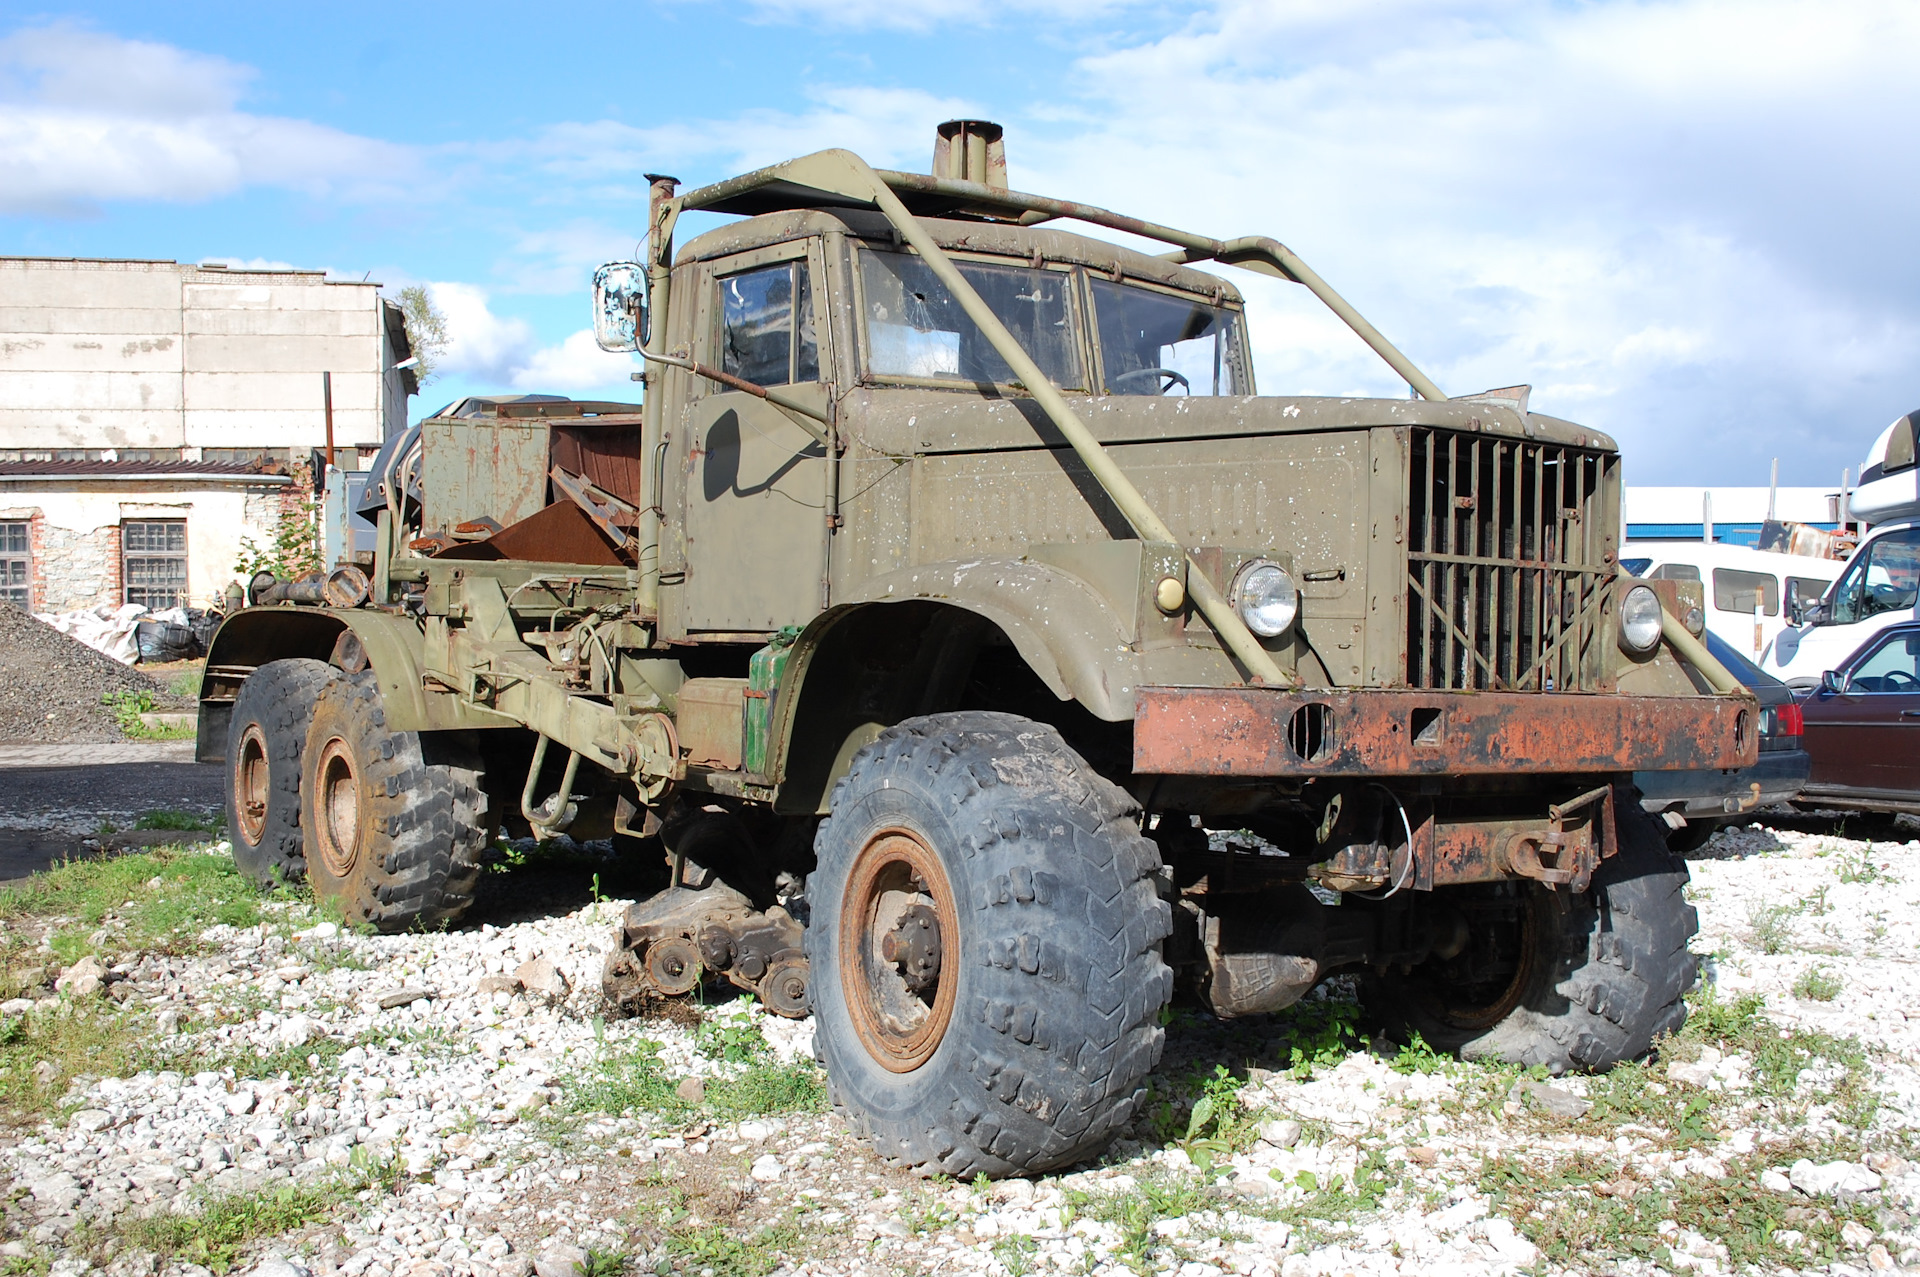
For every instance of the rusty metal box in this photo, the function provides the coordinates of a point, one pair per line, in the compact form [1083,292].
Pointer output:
[709,722]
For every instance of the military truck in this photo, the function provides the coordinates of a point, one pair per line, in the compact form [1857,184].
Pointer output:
[982,656]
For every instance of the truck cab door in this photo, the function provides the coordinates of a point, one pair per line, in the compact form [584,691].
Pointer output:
[1868,737]
[756,480]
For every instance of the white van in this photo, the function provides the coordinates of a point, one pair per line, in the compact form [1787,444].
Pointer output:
[1880,585]
[1750,593]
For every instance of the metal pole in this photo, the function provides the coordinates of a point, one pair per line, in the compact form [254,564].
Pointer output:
[326,395]
[662,212]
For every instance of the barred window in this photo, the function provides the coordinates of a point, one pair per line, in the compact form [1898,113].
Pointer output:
[154,559]
[16,564]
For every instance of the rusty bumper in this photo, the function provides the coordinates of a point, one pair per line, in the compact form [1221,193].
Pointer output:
[1210,731]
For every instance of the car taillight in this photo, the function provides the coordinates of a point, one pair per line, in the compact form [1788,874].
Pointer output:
[1788,721]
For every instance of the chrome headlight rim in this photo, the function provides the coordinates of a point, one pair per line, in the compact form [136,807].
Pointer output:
[1261,589]
[1639,621]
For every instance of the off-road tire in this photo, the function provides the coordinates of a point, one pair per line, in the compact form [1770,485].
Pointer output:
[413,805]
[269,726]
[1606,971]
[1055,1014]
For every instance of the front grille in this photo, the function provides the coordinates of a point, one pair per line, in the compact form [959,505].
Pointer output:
[1508,563]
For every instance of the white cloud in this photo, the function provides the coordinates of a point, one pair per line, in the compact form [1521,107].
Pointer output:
[1685,221]
[495,353]
[922,15]
[87,118]
[889,127]
[578,366]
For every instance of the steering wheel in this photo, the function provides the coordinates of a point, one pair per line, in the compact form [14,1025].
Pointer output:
[1900,681]
[1140,374]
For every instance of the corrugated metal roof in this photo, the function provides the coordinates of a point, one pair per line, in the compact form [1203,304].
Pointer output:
[130,469]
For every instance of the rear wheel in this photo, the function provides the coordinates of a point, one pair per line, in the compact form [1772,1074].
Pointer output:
[984,948]
[267,735]
[1555,979]
[393,822]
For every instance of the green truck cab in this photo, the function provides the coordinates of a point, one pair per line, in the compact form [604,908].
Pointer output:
[986,656]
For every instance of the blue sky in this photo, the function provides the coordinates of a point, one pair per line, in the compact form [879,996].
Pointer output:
[1685,223]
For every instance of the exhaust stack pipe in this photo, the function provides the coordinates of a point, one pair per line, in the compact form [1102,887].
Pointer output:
[971,151]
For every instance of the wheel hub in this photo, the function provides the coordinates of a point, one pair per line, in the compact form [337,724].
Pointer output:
[252,785]
[914,948]
[897,923]
[339,798]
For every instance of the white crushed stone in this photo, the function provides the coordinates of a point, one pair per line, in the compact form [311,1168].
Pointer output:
[457,1083]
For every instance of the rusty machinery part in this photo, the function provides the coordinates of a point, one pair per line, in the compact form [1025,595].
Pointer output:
[655,763]
[785,988]
[1254,732]
[347,586]
[673,966]
[267,734]
[669,942]
[1556,977]
[1025,911]
[898,903]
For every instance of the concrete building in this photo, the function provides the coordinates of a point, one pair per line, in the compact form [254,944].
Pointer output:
[155,414]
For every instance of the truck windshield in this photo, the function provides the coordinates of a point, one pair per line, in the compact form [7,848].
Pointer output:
[1152,343]
[1884,577]
[916,329]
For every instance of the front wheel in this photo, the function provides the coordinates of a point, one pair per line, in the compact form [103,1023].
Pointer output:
[1552,978]
[393,822]
[984,948]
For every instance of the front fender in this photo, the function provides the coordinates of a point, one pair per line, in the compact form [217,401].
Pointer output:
[1068,633]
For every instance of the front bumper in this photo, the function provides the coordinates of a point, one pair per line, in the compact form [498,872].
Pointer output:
[1777,777]
[1253,731]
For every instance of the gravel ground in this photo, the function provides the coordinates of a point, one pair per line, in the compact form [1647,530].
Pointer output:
[454,1104]
[50,685]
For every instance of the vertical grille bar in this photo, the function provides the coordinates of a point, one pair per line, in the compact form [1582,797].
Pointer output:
[1504,578]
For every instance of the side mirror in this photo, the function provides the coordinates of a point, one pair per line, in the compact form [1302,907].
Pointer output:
[1835,682]
[620,306]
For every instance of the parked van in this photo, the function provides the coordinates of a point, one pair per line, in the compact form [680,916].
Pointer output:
[1880,585]
[1750,593]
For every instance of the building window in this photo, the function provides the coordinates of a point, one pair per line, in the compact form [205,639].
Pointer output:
[154,562]
[16,564]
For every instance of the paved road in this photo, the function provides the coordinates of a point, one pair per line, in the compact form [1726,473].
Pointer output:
[48,811]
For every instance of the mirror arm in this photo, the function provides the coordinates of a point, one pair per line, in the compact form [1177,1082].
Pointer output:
[803,414]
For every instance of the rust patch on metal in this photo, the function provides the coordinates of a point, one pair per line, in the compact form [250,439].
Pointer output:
[1184,731]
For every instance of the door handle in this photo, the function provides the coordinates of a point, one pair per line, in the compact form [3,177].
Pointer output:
[1910,713]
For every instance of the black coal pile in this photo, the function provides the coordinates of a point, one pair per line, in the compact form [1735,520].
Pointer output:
[51,685]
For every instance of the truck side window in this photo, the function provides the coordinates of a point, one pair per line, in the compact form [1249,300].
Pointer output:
[1805,590]
[765,337]
[1674,572]
[1894,666]
[1736,591]
[1884,577]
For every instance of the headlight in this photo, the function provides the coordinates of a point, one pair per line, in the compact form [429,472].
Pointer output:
[1264,596]
[1640,620]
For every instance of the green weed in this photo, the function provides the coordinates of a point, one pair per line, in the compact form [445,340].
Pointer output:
[731,1034]
[1817,984]
[1016,1254]
[224,1225]
[158,900]
[181,820]
[799,1087]
[732,1253]
[1321,1032]
[92,1038]
[127,707]
[1771,927]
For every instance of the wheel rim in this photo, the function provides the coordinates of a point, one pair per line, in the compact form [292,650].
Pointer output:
[252,785]
[899,950]
[338,782]
[1482,1007]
